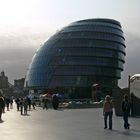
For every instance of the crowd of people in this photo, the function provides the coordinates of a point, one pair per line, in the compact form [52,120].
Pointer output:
[25,104]
[5,102]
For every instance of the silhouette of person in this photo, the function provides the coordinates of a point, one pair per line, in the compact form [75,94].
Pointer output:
[126,111]
[55,102]
[1,106]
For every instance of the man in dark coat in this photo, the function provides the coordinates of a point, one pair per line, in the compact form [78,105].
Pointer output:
[126,111]
[55,102]
[1,106]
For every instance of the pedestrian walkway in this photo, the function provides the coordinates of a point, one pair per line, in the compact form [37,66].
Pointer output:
[68,124]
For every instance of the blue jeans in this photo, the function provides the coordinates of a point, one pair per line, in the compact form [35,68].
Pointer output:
[106,115]
[125,118]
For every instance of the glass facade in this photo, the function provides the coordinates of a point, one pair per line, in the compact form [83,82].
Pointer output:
[81,54]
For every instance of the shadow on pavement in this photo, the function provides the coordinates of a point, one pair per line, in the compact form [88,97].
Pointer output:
[1,121]
[130,132]
[59,109]
[134,130]
[25,115]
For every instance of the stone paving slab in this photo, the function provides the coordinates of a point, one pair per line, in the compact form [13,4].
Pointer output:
[67,124]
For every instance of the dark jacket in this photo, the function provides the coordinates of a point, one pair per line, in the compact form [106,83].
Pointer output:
[1,103]
[126,106]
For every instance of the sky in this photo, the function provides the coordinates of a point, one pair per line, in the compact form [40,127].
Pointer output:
[26,24]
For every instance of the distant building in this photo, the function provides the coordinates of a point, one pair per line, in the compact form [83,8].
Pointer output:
[19,83]
[18,88]
[135,85]
[135,94]
[4,84]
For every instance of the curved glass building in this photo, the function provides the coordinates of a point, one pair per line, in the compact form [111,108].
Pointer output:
[79,55]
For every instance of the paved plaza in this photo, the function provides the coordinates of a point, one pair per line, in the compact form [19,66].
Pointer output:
[67,124]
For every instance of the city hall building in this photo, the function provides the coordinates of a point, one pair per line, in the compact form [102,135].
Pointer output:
[82,54]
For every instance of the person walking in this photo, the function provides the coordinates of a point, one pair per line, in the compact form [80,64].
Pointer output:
[11,102]
[7,102]
[33,103]
[29,102]
[108,111]
[17,103]
[25,104]
[126,111]
[45,103]
[21,106]
[55,102]
[1,107]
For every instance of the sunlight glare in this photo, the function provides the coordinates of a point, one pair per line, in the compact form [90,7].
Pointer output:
[12,11]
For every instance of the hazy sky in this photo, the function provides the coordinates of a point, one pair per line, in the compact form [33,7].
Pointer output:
[26,24]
